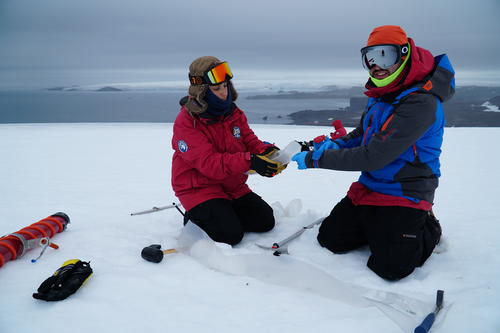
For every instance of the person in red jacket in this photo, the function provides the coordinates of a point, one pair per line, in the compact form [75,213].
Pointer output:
[214,150]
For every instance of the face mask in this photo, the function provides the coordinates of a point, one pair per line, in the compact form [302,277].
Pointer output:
[217,106]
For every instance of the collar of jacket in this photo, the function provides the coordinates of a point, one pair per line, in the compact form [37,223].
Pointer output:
[209,119]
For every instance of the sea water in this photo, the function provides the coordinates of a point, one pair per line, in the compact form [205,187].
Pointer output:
[42,106]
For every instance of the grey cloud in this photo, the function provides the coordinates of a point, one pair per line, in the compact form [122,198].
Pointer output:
[127,34]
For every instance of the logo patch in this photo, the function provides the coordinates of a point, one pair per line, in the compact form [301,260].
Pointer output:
[236,132]
[182,145]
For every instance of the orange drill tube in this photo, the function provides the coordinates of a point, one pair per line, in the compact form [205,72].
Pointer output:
[12,246]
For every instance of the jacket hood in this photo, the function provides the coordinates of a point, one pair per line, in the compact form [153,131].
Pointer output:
[441,81]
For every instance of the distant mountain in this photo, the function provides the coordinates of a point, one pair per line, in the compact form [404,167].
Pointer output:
[109,89]
[89,88]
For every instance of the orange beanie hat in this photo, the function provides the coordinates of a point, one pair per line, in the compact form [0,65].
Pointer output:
[387,34]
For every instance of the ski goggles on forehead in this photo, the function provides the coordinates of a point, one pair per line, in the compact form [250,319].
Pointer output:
[384,55]
[215,75]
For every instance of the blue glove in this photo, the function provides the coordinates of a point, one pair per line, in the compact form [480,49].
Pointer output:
[328,144]
[300,158]
[319,141]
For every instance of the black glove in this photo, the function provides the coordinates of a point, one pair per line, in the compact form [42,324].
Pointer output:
[305,145]
[264,166]
[65,281]
[269,151]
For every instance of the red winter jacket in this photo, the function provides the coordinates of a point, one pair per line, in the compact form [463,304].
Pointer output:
[212,156]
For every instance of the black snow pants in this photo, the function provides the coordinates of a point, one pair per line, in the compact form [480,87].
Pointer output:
[226,221]
[399,238]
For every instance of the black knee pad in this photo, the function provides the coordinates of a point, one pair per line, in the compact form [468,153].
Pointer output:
[327,242]
[391,271]
[232,239]
[269,225]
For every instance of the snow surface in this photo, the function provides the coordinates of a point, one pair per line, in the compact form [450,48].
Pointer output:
[99,173]
[489,107]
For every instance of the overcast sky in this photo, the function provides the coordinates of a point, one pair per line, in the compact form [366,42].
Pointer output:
[48,41]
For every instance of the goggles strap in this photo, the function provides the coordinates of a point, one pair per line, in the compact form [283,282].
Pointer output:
[196,80]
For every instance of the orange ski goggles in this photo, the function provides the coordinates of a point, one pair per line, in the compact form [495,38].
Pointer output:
[215,75]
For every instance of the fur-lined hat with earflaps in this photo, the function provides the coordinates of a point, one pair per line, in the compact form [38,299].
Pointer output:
[196,102]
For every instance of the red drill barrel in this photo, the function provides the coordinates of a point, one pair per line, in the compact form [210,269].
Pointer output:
[12,246]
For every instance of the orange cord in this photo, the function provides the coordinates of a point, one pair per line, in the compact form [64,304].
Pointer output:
[29,233]
[48,225]
[11,249]
[37,228]
[56,221]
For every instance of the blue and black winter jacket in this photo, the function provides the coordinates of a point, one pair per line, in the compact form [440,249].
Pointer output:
[398,140]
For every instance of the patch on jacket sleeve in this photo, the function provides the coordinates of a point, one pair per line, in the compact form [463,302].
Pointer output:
[236,132]
[182,145]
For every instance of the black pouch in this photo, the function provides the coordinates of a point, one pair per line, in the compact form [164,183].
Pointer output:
[65,281]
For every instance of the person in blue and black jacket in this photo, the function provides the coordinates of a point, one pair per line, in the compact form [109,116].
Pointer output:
[396,146]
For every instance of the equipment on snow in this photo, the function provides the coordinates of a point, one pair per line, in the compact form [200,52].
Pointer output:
[280,248]
[156,209]
[15,245]
[66,280]
[154,253]
[426,325]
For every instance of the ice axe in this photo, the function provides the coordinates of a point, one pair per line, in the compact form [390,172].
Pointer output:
[280,247]
[154,253]
[157,209]
[426,325]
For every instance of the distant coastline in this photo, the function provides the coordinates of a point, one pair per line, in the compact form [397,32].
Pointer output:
[472,106]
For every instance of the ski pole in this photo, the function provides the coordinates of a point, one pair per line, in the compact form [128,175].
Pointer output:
[426,324]
[287,240]
[155,209]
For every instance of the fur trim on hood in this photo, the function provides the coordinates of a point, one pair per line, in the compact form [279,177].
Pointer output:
[196,103]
